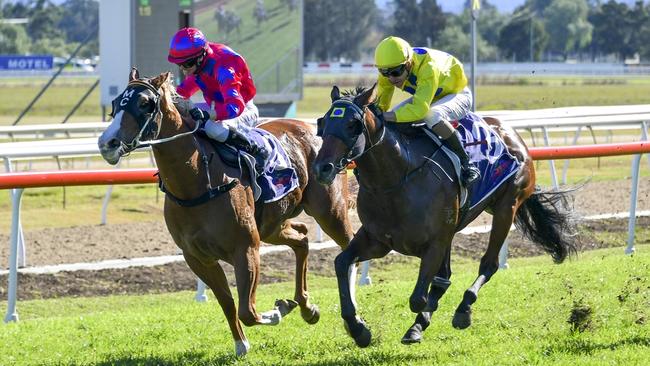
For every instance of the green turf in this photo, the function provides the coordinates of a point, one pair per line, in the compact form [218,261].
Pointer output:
[520,318]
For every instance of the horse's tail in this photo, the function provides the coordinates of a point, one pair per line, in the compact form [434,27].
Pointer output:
[546,219]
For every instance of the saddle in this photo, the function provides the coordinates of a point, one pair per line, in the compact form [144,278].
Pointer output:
[239,160]
[270,180]
[488,151]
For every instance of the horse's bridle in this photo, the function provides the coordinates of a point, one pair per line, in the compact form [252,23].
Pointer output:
[357,146]
[151,123]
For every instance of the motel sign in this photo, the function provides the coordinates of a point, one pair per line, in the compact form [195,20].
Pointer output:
[16,62]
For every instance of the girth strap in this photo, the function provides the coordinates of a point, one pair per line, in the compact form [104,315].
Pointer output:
[205,197]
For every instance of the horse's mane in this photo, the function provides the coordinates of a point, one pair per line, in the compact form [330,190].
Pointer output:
[353,94]
[169,91]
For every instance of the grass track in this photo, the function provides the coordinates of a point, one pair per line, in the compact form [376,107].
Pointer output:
[520,318]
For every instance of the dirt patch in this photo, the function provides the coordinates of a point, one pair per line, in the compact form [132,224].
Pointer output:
[94,243]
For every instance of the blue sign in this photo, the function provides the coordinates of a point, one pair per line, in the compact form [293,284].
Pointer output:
[16,62]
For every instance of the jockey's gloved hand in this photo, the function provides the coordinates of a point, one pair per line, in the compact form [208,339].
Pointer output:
[199,114]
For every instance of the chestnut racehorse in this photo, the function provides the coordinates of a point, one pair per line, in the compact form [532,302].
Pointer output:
[209,207]
[409,201]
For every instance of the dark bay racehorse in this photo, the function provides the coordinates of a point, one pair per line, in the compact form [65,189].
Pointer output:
[408,201]
[222,220]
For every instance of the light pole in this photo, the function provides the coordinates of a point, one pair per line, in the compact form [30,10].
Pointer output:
[476,5]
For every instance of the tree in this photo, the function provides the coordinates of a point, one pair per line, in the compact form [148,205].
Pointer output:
[515,37]
[13,39]
[420,23]
[489,23]
[458,43]
[567,25]
[644,33]
[612,29]
[44,21]
[335,29]
[639,19]
[79,19]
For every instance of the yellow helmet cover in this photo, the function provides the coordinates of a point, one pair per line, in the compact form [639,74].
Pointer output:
[391,52]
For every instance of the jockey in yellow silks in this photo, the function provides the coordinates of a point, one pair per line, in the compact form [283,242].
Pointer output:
[438,85]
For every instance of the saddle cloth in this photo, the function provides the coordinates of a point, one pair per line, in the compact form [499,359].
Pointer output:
[279,178]
[487,152]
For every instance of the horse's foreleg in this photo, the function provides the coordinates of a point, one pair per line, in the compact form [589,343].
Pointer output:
[501,222]
[216,279]
[361,248]
[439,286]
[430,264]
[246,262]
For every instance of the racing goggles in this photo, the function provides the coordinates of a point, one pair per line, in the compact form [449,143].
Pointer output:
[189,63]
[393,71]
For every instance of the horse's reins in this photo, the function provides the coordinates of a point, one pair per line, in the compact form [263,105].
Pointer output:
[136,143]
[343,163]
[406,175]
[212,192]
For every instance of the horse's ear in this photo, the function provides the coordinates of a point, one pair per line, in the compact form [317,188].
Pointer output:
[335,94]
[134,75]
[161,79]
[368,96]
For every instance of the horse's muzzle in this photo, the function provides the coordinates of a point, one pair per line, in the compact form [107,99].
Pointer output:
[110,150]
[325,173]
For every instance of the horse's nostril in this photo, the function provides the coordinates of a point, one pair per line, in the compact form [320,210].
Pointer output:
[327,168]
[113,143]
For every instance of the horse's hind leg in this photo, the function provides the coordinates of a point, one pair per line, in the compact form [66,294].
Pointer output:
[439,286]
[294,234]
[503,215]
[216,279]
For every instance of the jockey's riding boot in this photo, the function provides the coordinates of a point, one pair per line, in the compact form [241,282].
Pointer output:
[469,173]
[240,140]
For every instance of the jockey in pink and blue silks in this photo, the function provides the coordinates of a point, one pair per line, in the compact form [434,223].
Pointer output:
[223,77]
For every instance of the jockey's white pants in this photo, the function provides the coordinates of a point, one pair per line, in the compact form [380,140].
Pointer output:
[219,130]
[451,107]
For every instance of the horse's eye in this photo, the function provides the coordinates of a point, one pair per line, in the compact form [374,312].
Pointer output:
[354,127]
[145,105]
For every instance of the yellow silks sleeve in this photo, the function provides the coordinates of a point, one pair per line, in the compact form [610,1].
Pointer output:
[427,83]
[385,92]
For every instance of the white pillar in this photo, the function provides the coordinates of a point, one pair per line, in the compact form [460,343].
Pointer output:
[12,315]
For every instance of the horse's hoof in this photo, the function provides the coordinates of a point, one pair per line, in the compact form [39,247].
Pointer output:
[271,317]
[311,315]
[241,348]
[413,335]
[462,320]
[363,339]
[360,333]
[285,306]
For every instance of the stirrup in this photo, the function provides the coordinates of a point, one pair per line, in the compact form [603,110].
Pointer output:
[470,174]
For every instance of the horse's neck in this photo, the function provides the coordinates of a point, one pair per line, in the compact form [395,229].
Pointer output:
[385,164]
[180,164]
